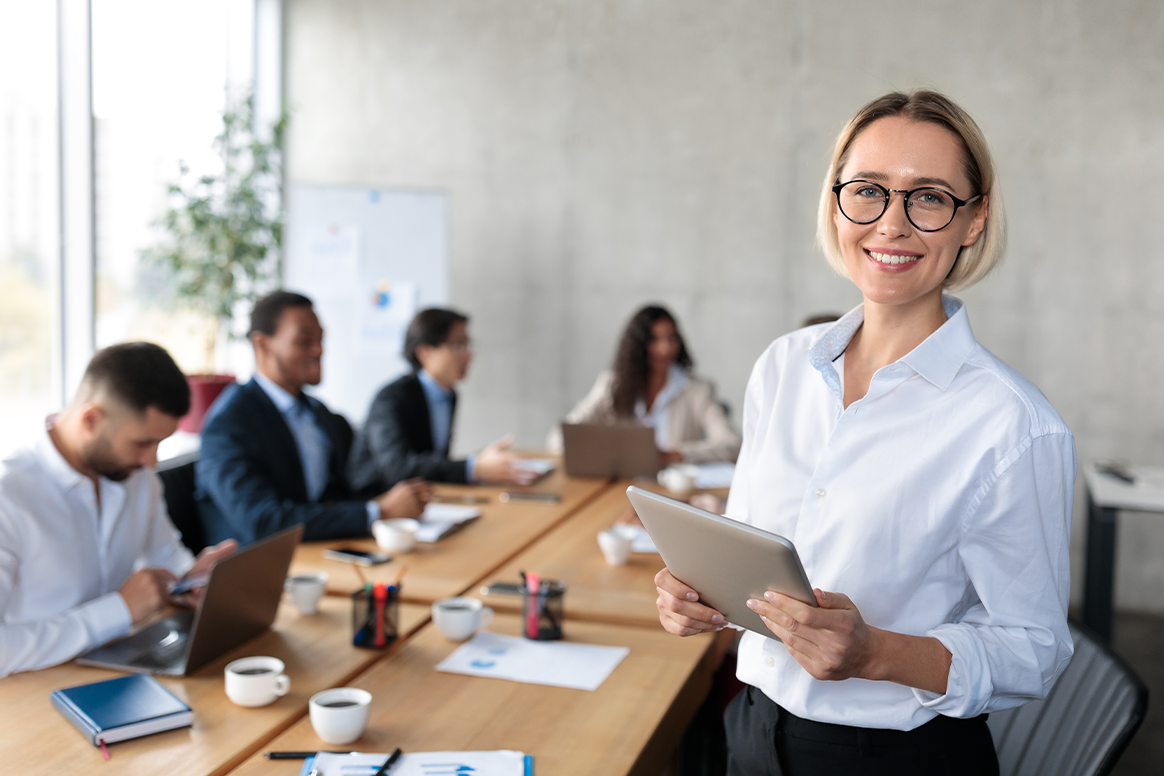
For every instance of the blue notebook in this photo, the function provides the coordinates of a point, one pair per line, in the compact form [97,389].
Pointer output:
[122,708]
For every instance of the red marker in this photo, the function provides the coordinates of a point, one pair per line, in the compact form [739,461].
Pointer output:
[380,594]
[533,610]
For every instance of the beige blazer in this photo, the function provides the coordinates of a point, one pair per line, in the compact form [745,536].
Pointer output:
[697,426]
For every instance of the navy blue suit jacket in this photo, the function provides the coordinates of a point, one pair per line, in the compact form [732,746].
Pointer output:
[397,443]
[250,481]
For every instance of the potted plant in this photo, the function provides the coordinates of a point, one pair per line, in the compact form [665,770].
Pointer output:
[224,236]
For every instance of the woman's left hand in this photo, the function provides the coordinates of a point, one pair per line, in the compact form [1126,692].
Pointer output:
[831,643]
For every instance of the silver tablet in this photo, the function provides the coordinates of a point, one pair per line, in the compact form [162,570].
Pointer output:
[724,560]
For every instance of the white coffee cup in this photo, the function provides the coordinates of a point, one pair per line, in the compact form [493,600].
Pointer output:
[256,681]
[679,480]
[397,534]
[459,618]
[306,590]
[339,716]
[616,544]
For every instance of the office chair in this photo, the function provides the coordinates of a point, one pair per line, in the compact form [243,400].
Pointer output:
[177,476]
[1084,724]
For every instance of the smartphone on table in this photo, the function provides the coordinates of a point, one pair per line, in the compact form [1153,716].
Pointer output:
[361,557]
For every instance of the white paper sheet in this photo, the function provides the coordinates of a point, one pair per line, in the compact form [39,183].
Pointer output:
[539,466]
[556,663]
[500,763]
[714,475]
[439,520]
[641,541]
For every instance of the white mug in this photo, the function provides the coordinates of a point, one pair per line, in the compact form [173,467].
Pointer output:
[679,479]
[616,544]
[459,618]
[397,534]
[339,716]
[306,590]
[256,681]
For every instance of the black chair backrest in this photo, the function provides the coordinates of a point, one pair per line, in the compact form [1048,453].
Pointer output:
[178,485]
[1083,725]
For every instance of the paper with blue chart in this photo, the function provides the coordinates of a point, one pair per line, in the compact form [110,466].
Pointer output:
[499,763]
[556,663]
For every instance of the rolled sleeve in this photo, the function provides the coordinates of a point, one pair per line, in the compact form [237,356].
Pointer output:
[1012,642]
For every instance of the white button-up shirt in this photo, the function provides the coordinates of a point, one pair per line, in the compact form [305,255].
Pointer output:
[940,503]
[62,561]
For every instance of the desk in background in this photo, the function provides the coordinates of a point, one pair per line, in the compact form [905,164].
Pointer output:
[459,561]
[1106,495]
[35,739]
[629,725]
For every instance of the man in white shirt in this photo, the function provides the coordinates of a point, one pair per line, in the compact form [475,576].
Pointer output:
[87,549]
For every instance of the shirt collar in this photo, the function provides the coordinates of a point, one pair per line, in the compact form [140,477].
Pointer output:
[677,380]
[433,391]
[58,469]
[938,358]
[283,400]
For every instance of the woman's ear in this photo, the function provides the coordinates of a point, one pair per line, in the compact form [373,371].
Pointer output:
[978,224]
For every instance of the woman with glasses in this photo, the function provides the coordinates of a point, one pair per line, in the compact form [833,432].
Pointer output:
[926,485]
[651,384]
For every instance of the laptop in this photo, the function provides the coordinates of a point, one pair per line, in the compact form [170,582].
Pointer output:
[609,451]
[240,601]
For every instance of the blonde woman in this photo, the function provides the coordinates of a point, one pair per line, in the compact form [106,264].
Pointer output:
[926,484]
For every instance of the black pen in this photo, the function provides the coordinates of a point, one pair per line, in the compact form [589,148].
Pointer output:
[298,755]
[519,495]
[388,763]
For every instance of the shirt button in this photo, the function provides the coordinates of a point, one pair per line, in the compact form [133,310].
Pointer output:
[769,662]
[820,492]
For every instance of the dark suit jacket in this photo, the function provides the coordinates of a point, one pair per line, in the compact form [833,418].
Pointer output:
[250,478]
[396,442]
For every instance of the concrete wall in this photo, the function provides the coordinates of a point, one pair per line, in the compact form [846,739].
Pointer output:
[602,153]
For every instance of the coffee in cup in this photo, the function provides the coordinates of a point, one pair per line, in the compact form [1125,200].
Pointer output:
[256,681]
[339,716]
[306,590]
[459,618]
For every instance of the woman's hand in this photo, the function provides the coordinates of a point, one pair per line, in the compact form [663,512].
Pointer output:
[834,642]
[679,609]
[831,643]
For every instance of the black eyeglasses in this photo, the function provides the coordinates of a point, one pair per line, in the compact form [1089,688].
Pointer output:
[927,208]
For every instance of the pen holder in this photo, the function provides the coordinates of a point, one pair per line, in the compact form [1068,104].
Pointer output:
[542,612]
[375,614]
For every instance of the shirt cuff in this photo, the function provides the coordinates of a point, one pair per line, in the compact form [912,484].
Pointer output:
[968,687]
[373,513]
[471,468]
[107,618]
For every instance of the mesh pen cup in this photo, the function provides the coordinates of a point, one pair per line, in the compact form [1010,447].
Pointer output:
[542,612]
[375,615]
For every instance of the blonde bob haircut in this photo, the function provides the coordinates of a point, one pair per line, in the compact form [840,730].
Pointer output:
[974,261]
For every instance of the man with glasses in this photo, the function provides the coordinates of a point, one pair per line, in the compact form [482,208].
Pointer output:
[410,424]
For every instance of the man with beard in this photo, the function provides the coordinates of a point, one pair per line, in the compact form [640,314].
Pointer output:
[273,457]
[87,549]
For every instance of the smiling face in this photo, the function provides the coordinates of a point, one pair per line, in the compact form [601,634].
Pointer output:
[292,356]
[891,261]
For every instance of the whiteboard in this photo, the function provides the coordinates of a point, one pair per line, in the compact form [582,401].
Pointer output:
[368,258]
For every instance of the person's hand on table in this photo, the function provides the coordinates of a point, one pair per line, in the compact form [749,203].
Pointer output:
[406,499]
[669,457]
[146,591]
[679,609]
[495,464]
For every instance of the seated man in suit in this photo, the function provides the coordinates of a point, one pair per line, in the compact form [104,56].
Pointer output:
[272,456]
[86,548]
[409,427]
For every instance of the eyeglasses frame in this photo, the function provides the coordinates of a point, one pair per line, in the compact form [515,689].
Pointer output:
[958,203]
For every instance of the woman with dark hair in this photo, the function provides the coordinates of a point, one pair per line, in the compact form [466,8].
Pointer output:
[652,385]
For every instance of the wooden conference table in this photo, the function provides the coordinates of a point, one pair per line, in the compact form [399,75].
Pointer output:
[631,724]
[36,739]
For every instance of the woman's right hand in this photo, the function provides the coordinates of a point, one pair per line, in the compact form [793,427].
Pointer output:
[679,609]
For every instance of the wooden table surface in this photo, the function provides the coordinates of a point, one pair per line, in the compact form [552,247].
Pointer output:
[629,725]
[456,563]
[317,650]
[595,590]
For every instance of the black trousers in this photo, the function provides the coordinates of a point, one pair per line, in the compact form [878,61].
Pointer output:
[765,740]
